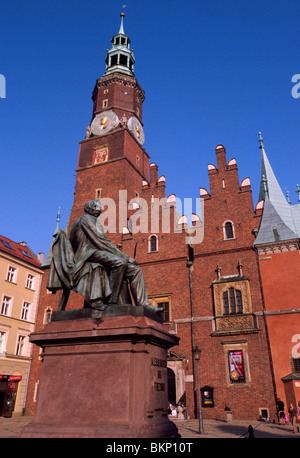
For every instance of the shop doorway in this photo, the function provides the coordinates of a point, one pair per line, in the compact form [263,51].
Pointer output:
[2,399]
[8,393]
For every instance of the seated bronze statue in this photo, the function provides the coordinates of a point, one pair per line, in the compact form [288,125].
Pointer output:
[89,264]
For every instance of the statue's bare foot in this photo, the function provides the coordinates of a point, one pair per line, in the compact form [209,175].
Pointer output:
[98,306]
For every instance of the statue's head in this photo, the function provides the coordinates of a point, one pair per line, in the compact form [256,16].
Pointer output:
[93,207]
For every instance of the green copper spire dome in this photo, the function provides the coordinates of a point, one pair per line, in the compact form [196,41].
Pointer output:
[120,58]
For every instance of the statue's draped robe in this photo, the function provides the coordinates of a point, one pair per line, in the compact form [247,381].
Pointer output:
[88,279]
[70,266]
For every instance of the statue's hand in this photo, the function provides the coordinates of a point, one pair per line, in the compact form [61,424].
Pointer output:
[132,261]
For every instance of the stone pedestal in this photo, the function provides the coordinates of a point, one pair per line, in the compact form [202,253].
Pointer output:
[229,416]
[103,377]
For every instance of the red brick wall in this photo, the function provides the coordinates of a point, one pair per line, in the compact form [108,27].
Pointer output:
[123,95]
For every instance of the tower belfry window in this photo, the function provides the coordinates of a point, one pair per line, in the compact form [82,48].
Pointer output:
[114,60]
[123,60]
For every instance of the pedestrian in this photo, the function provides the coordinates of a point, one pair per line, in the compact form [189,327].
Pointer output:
[293,416]
[280,411]
[250,432]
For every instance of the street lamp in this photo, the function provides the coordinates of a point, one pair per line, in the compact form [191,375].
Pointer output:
[196,355]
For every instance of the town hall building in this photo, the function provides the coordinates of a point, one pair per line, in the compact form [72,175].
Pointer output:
[205,274]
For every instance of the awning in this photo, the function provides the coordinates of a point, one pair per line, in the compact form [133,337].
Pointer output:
[10,378]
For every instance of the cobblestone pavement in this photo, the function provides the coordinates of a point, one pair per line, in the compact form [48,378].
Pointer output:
[237,429]
[188,429]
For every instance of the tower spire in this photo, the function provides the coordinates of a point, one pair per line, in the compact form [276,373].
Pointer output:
[120,58]
[276,208]
[122,15]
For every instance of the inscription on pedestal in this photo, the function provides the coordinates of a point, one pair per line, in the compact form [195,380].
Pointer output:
[157,362]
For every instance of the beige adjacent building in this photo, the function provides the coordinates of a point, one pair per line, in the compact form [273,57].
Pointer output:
[20,282]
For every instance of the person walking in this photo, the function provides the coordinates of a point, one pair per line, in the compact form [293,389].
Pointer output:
[293,416]
[280,411]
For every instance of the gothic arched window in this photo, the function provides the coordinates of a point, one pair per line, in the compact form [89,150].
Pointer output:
[232,301]
[152,243]
[228,230]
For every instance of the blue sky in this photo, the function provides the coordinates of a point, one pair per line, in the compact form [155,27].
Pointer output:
[213,72]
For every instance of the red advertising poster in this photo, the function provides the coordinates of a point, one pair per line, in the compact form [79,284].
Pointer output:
[236,366]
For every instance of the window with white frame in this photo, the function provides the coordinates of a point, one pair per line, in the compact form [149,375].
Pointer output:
[20,345]
[30,281]
[2,343]
[6,305]
[25,311]
[11,274]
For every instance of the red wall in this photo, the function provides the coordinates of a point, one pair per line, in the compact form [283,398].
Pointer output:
[280,274]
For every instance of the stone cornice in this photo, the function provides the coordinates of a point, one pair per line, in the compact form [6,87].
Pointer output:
[278,247]
[118,78]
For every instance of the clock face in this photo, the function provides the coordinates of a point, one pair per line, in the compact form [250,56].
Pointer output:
[104,122]
[136,128]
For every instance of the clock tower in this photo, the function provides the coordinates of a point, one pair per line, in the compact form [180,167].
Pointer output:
[112,157]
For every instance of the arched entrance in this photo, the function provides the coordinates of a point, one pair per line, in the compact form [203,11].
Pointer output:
[171,387]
